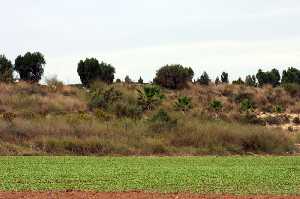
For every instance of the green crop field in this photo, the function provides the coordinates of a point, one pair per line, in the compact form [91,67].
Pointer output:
[218,175]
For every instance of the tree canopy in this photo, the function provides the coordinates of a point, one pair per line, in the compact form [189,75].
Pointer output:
[224,78]
[30,66]
[270,77]
[6,69]
[91,70]
[173,76]
[291,75]
[204,79]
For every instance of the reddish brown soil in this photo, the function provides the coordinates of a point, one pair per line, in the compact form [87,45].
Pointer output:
[127,195]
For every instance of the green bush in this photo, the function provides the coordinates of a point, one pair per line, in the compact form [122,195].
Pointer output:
[216,105]
[162,121]
[104,98]
[149,97]
[246,105]
[183,103]
[128,110]
[278,109]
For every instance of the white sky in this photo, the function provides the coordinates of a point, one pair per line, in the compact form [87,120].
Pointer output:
[139,36]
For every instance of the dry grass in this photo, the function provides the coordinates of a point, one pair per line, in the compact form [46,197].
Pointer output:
[57,120]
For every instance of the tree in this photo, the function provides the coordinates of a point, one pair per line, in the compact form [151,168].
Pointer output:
[217,81]
[173,76]
[239,81]
[128,80]
[91,70]
[30,66]
[251,80]
[291,75]
[6,70]
[270,77]
[224,78]
[141,81]
[204,79]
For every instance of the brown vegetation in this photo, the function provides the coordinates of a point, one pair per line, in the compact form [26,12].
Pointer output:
[58,119]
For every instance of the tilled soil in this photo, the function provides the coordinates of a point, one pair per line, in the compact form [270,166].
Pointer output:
[126,195]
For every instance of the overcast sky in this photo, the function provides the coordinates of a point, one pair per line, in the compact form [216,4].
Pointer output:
[139,36]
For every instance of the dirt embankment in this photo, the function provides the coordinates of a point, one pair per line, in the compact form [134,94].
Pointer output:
[127,195]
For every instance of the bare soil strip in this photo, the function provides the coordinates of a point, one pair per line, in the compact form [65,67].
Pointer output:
[125,195]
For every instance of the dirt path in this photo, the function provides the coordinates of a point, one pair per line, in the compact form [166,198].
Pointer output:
[127,195]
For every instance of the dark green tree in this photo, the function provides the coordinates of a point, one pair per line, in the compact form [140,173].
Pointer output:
[238,82]
[270,77]
[224,78]
[30,66]
[291,75]
[141,81]
[91,70]
[127,80]
[6,70]
[204,79]
[251,80]
[173,76]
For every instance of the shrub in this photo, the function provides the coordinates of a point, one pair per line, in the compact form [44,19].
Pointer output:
[30,66]
[54,84]
[278,109]
[103,98]
[162,121]
[251,118]
[296,120]
[102,116]
[91,70]
[246,105]
[173,76]
[216,105]
[150,97]
[219,137]
[9,116]
[292,88]
[6,70]
[183,103]
[204,79]
[277,119]
[128,110]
